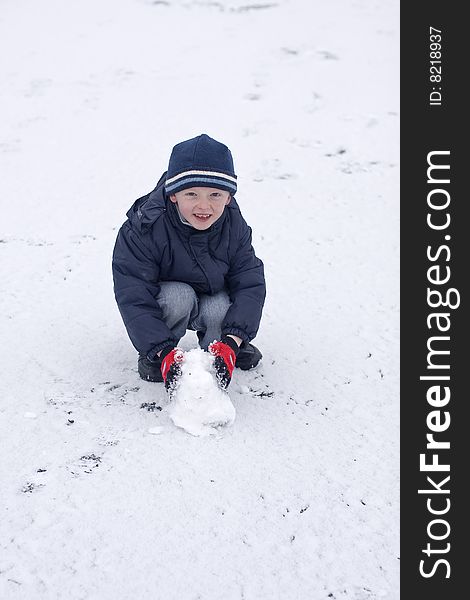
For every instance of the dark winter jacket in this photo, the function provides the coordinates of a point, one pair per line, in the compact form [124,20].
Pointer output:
[153,245]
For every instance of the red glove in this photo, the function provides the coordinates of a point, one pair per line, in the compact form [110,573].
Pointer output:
[225,355]
[171,366]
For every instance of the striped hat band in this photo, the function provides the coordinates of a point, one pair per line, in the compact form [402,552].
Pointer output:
[201,178]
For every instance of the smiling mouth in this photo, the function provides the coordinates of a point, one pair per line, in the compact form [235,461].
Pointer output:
[203,217]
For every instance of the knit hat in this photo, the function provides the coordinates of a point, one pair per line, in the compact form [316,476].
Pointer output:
[200,162]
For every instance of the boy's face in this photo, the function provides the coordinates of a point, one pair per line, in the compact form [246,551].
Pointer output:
[201,206]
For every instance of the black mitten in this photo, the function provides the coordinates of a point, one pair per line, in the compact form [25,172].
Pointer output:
[225,355]
[171,358]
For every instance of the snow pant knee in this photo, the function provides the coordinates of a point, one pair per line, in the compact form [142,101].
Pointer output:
[179,304]
[211,313]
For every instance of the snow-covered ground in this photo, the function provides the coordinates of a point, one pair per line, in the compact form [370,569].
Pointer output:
[298,499]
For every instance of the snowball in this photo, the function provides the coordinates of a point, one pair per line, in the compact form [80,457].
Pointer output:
[155,430]
[198,405]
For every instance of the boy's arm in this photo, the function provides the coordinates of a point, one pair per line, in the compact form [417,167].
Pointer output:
[247,290]
[135,274]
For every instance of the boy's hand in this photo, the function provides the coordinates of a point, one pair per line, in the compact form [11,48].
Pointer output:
[171,366]
[225,354]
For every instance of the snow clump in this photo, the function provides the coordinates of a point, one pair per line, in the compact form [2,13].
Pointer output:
[198,404]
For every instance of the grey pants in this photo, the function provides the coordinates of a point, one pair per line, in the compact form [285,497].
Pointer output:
[184,309]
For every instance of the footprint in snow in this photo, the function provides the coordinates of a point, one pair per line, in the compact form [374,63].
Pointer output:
[88,464]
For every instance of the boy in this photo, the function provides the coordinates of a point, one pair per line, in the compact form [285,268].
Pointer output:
[184,260]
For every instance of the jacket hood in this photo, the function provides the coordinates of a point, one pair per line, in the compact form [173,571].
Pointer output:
[147,209]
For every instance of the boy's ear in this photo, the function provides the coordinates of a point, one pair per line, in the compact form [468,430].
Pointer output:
[173,198]
[228,199]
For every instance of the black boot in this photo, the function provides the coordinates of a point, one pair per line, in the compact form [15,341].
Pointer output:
[248,357]
[150,370]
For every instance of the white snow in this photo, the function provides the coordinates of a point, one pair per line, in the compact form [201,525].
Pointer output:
[198,405]
[299,498]
[156,430]
[30,415]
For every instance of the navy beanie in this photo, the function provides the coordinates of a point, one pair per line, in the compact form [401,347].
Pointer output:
[200,162]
